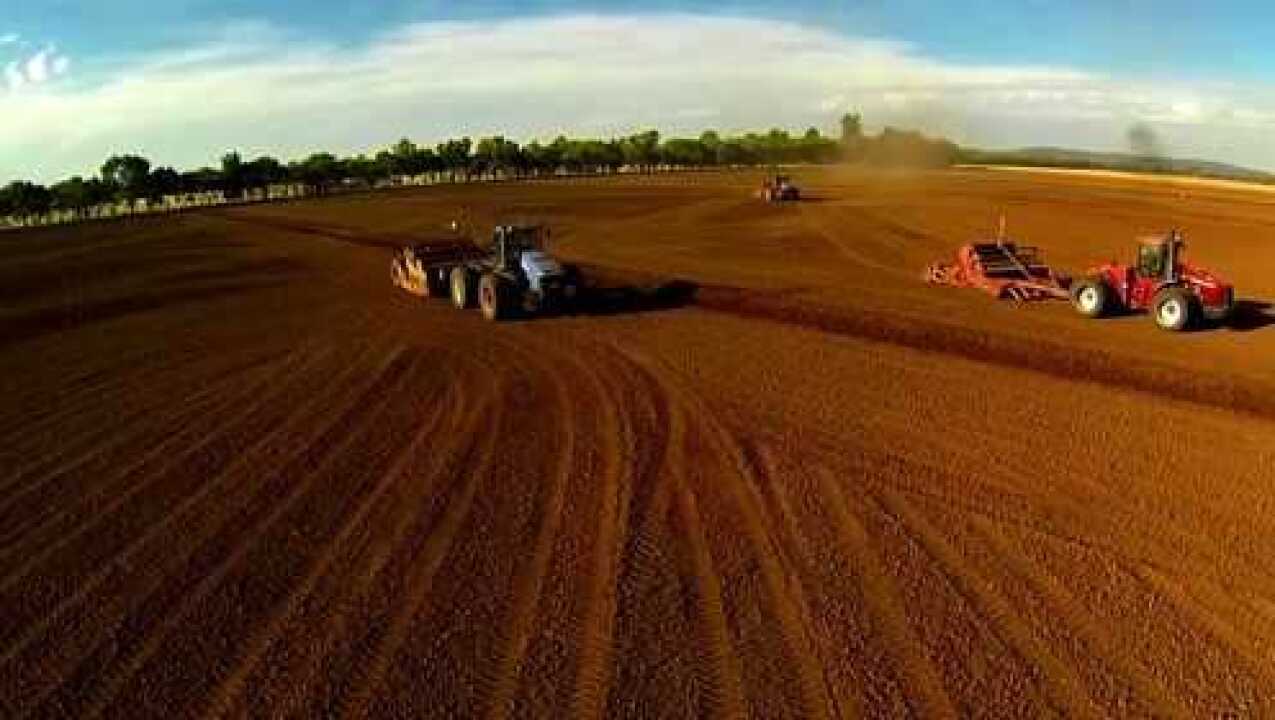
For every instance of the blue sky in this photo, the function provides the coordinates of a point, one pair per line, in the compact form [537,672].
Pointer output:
[1193,38]
[184,79]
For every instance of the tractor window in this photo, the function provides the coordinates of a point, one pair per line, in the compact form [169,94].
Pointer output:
[1151,260]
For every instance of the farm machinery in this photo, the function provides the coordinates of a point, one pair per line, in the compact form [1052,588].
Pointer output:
[778,188]
[1177,295]
[514,274]
[1002,268]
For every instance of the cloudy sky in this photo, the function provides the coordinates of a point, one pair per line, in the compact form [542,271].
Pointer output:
[185,80]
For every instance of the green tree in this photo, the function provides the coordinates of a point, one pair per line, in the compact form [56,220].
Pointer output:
[497,153]
[128,176]
[642,149]
[455,155]
[26,200]
[164,181]
[264,171]
[72,194]
[320,171]
[232,174]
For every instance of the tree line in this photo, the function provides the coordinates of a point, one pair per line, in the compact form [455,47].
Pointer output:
[130,179]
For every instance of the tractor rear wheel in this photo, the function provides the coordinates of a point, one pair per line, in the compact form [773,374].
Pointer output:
[493,297]
[1091,297]
[1174,309]
[462,288]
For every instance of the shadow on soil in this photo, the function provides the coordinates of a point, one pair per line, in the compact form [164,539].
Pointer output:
[1250,315]
[626,299]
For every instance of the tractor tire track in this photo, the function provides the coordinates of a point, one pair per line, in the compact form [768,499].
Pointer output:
[388,637]
[311,524]
[786,599]
[1226,636]
[528,587]
[1148,690]
[1063,687]
[84,514]
[596,633]
[229,697]
[650,573]
[886,605]
[793,535]
[58,616]
[92,560]
[94,445]
[721,667]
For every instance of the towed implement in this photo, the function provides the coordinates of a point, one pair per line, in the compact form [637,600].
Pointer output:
[422,269]
[1002,268]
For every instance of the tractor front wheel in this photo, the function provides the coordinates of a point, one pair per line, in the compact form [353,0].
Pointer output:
[1090,298]
[493,297]
[1174,309]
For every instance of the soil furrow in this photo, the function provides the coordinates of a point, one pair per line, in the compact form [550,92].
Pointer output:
[388,636]
[882,597]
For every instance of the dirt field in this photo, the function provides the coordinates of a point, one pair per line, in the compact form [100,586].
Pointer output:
[766,471]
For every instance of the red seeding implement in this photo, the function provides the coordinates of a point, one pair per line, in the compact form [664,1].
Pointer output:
[1003,268]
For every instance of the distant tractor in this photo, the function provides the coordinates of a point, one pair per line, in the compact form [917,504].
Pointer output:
[1177,295]
[778,188]
[513,275]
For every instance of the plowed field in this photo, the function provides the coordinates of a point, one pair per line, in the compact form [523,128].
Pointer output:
[763,471]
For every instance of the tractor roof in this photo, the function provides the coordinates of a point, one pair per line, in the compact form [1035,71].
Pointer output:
[1158,239]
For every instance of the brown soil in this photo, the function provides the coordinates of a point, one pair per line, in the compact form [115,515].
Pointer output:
[763,471]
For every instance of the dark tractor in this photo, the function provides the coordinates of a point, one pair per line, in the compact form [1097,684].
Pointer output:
[516,275]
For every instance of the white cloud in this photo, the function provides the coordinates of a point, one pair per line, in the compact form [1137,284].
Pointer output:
[252,90]
[9,38]
[38,69]
[14,77]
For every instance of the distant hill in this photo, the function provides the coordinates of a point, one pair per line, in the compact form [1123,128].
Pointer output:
[1063,157]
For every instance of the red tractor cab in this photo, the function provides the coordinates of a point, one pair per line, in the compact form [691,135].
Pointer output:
[1177,294]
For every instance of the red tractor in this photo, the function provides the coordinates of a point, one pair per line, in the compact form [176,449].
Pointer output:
[778,189]
[1178,295]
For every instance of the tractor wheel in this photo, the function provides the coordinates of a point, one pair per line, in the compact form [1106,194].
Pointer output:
[1174,309]
[462,288]
[1090,297]
[435,283]
[570,288]
[493,297]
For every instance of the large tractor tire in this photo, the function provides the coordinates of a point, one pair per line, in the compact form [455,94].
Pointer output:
[1091,297]
[571,288]
[463,290]
[494,297]
[1175,309]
